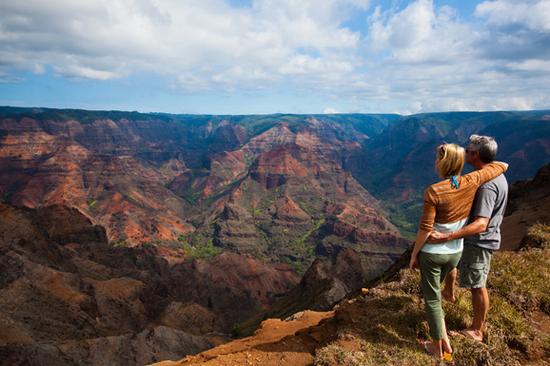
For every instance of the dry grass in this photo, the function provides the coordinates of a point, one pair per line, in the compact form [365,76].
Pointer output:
[381,329]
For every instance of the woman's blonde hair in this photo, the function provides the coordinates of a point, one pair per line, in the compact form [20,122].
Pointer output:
[449,160]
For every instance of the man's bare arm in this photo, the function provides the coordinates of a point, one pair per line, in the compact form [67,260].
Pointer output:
[478,226]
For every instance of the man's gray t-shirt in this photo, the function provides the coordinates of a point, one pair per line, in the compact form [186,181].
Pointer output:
[490,201]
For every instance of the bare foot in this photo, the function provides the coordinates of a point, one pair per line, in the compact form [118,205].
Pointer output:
[448,294]
[476,335]
[432,349]
[446,345]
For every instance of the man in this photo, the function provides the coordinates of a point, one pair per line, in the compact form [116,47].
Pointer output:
[481,235]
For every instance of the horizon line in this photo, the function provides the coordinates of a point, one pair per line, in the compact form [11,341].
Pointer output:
[275,113]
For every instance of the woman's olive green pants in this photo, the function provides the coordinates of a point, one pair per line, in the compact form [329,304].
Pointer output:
[433,270]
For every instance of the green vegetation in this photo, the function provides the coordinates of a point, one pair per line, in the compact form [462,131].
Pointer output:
[191,197]
[171,244]
[530,290]
[121,243]
[304,206]
[405,217]
[197,246]
[148,245]
[301,241]
[256,125]
[302,252]
[248,160]
[538,236]
[92,204]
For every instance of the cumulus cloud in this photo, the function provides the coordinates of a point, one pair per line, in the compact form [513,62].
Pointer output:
[421,33]
[430,59]
[198,42]
[411,58]
[534,15]
[515,30]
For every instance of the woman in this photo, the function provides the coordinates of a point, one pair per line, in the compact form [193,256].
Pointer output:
[447,206]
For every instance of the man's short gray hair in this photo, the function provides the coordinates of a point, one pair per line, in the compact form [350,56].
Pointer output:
[486,145]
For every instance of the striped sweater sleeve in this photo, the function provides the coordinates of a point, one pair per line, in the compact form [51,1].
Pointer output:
[429,210]
[487,173]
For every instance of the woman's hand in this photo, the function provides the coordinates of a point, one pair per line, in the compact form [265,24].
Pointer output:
[421,237]
[413,264]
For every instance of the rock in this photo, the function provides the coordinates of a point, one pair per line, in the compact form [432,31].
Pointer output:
[68,297]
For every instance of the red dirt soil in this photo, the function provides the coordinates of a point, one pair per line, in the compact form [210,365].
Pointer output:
[276,342]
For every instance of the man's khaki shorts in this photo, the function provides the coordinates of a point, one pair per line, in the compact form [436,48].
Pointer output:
[474,266]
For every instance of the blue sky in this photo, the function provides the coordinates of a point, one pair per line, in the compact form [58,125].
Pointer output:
[268,56]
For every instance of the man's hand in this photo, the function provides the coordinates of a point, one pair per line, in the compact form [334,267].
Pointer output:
[437,237]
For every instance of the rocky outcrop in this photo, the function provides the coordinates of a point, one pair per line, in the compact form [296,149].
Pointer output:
[145,347]
[231,286]
[67,296]
[326,282]
[528,204]
[236,230]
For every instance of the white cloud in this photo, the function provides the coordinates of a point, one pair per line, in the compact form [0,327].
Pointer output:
[217,44]
[9,79]
[515,30]
[420,57]
[534,15]
[530,65]
[429,59]
[419,33]
[77,71]
[330,110]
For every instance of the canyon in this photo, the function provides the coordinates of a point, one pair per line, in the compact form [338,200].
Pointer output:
[130,238]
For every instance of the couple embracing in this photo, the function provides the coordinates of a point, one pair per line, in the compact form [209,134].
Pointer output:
[460,227]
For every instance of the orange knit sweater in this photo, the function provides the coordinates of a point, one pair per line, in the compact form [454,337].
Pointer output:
[445,204]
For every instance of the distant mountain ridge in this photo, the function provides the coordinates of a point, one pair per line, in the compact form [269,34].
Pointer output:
[528,205]
[279,187]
